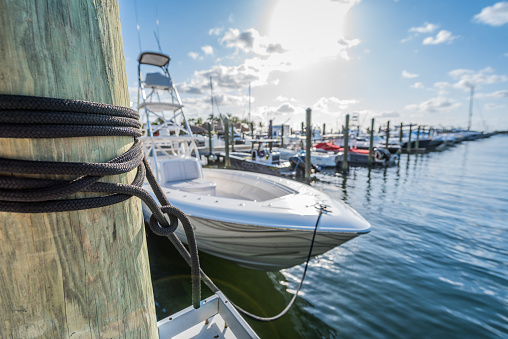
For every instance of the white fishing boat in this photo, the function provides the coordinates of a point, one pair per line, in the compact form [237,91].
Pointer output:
[256,220]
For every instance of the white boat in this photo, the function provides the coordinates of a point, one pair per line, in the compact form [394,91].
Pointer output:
[256,220]
[317,157]
[261,161]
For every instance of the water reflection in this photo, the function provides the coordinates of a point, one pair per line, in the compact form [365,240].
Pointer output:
[262,293]
[437,248]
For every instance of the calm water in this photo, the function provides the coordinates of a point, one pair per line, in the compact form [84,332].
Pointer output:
[435,264]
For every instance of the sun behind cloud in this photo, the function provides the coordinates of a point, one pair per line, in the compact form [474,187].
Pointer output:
[310,29]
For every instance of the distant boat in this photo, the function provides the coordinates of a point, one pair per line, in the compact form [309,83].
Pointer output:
[256,220]
[261,161]
[357,156]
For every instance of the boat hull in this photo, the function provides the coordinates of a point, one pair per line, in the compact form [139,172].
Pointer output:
[272,230]
[264,248]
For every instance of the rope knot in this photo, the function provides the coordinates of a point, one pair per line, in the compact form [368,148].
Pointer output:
[160,225]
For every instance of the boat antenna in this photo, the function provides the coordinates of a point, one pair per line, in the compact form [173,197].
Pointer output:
[471,95]
[157,33]
[137,25]
[249,102]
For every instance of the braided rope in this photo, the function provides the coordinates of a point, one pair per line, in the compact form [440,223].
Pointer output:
[37,117]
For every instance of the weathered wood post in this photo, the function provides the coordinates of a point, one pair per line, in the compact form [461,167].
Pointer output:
[409,138]
[252,136]
[345,164]
[227,161]
[303,128]
[417,143]
[232,137]
[210,147]
[282,135]
[270,135]
[371,142]
[308,144]
[400,136]
[324,128]
[81,273]
[387,134]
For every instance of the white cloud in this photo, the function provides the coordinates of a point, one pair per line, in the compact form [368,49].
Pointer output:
[496,15]
[333,104]
[467,77]
[442,85]
[495,95]
[194,55]
[418,85]
[285,108]
[250,41]
[215,31]
[443,36]
[406,74]
[434,105]
[426,28]
[208,50]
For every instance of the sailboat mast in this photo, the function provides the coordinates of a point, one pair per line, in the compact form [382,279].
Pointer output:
[249,102]
[470,108]
[211,102]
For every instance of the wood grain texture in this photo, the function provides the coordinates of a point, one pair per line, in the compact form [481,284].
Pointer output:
[82,274]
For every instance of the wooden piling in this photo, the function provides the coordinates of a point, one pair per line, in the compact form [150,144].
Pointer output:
[371,143]
[324,128]
[345,164]
[387,134]
[81,273]
[308,144]
[409,138]
[401,133]
[227,161]
[417,143]
[232,137]
[210,147]
[270,135]
[282,135]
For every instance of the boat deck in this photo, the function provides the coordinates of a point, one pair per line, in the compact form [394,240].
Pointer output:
[216,318]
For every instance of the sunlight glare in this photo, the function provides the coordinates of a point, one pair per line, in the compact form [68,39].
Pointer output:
[308,29]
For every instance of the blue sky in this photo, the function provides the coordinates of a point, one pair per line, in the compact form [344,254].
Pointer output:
[408,61]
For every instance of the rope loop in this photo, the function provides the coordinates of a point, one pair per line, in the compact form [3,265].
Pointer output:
[168,227]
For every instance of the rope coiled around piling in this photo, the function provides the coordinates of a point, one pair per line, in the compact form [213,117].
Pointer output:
[39,117]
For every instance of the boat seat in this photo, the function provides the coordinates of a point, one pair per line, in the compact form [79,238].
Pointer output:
[184,174]
[158,81]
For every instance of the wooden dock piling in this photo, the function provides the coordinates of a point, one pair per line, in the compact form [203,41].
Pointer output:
[371,143]
[210,147]
[400,136]
[308,144]
[232,137]
[282,135]
[270,135]
[417,142]
[409,138]
[345,164]
[227,161]
[387,134]
[80,273]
